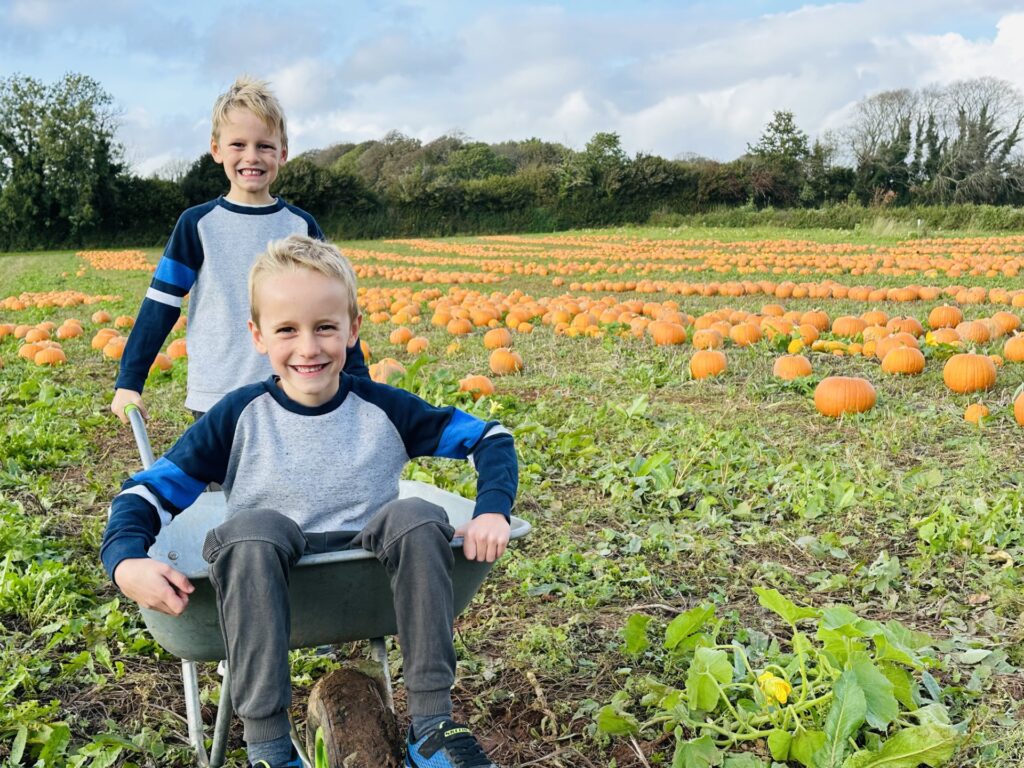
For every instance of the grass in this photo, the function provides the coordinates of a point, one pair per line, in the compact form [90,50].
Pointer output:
[649,493]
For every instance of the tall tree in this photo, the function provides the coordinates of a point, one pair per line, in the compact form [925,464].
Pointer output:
[58,159]
[777,173]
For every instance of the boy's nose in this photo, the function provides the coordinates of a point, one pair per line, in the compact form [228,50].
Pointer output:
[309,345]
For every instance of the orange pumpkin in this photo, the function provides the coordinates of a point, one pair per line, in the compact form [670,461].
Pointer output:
[114,348]
[707,362]
[945,316]
[969,373]
[848,326]
[382,371]
[178,348]
[837,395]
[708,338]
[504,361]
[161,362]
[903,360]
[101,316]
[975,413]
[417,344]
[124,321]
[791,367]
[744,334]
[400,335]
[1013,349]
[50,356]
[666,333]
[1018,408]
[497,337]
[477,386]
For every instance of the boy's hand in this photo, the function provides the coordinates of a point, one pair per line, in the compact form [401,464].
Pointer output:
[125,397]
[484,537]
[153,585]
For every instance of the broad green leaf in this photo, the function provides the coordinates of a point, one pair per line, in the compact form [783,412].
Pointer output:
[778,744]
[745,760]
[615,722]
[846,715]
[635,634]
[840,617]
[903,684]
[790,612]
[805,745]
[933,714]
[931,744]
[710,667]
[887,650]
[882,707]
[55,743]
[18,747]
[696,753]
[686,623]
[838,646]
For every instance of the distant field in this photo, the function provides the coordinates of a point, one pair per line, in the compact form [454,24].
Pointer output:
[719,574]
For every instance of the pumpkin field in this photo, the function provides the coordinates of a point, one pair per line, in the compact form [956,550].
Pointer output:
[774,478]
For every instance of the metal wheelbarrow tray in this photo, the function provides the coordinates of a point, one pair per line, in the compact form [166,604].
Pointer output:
[335,597]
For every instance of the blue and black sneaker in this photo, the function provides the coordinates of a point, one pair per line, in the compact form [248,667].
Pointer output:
[449,745]
[294,762]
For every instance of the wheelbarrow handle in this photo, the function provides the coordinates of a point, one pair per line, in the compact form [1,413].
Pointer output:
[141,436]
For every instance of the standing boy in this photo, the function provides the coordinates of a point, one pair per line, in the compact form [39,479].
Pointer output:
[311,450]
[209,254]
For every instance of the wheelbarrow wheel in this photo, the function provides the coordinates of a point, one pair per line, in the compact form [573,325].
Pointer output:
[357,728]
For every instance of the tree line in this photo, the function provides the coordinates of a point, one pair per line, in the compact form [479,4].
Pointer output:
[64,181]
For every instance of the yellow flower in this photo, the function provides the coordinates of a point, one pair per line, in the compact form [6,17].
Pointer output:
[774,687]
[795,346]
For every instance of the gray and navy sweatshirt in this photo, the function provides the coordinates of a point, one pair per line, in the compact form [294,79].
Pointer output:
[209,255]
[329,468]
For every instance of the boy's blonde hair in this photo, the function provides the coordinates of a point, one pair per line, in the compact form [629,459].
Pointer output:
[302,252]
[255,96]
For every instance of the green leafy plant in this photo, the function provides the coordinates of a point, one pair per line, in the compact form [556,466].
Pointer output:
[838,693]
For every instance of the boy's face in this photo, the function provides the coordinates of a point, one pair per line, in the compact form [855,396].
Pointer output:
[304,329]
[251,154]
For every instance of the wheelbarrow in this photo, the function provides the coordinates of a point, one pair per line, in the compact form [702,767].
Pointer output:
[352,582]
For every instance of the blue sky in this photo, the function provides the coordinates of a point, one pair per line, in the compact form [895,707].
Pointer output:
[668,77]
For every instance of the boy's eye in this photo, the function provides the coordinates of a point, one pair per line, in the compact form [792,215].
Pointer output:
[327,328]
[285,329]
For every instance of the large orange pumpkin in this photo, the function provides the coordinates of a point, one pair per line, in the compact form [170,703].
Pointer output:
[837,395]
[50,356]
[945,317]
[666,333]
[497,337]
[903,360]
[969,373]
[707,362]
[1013,349]
[178,348]
[504,361]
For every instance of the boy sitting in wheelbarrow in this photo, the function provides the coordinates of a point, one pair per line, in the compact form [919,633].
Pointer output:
[310,459]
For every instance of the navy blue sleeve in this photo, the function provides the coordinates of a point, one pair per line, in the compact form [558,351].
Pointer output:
[355,363]
[153,497]
[447,432]
[175,274]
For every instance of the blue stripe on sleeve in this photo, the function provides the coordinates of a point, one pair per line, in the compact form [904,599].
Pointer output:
[169,482]
[459,437]
[175,273]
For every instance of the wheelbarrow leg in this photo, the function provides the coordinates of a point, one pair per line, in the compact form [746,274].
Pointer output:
[193,715]
[224,712]
[379,653]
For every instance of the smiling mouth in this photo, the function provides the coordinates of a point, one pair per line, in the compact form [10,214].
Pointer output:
[251,172]
[309,369]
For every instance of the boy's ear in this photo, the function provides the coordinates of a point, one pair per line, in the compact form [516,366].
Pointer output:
[215,150]
[257,337]
[354,329]
[284,154]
